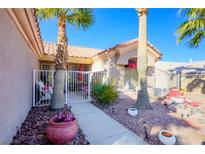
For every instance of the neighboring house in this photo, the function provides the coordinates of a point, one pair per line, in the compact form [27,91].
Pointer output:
[164,79]
[22,50]
[189,76]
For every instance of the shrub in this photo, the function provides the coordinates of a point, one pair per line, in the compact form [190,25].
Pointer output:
[105,94]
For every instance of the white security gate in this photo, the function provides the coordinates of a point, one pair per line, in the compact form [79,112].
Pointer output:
[43,83]
[77,85]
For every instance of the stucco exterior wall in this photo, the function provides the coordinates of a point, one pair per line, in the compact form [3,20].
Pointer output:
[116,71]
[16,64]
[99,65]
[131,53]
[193,83]
[119,74]
[165,80]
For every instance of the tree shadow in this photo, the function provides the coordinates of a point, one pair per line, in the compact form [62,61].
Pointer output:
[148,123]
[197,82]
[192,73]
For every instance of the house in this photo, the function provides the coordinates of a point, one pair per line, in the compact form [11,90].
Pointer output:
[20,46]
[22,50]
[189,76]
[115,61]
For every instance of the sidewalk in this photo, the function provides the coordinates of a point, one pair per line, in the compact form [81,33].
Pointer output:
[100,128]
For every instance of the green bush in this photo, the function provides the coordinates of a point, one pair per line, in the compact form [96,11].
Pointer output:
[105,94]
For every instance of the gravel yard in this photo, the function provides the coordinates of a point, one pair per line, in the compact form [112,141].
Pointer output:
[148,123]
[33,129]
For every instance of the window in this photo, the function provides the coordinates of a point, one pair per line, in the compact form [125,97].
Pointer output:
[45,66]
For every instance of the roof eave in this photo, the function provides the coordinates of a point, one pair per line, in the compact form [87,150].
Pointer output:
[28,27]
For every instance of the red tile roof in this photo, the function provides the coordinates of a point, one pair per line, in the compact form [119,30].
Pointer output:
[130,42]
[73,51]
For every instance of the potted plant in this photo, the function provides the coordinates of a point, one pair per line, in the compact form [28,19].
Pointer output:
[62,128]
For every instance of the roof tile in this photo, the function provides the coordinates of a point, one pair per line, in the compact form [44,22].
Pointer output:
[73,51]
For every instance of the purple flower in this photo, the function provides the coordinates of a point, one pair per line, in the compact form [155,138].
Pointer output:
[63,117]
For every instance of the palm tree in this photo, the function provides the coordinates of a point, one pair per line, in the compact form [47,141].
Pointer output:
[142,62]
[81,18]
[193,28]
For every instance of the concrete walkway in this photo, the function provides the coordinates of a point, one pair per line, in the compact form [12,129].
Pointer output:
[100,128]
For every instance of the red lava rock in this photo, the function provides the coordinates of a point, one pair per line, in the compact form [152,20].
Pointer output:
[34,126]
[22,138]
[26,127]
[172,108]
[39,137]
[33,130]
[30,133]
[16,142]
[40,128]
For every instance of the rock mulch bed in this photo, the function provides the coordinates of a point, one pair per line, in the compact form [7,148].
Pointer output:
[33,129]
[148,123]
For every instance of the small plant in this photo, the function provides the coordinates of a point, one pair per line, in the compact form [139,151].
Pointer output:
[104,93]
[63,117]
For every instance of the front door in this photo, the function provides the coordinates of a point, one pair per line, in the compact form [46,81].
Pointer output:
[130,78]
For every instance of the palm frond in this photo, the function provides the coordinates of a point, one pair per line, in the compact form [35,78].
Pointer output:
[47,13]
[196,39]
[193,27]
[81,18]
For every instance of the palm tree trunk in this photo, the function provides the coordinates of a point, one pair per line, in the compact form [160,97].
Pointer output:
[61,60]
[142,63]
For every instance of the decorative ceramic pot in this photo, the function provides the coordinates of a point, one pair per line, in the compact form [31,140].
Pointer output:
[62,132]
[166,137]
[132,112]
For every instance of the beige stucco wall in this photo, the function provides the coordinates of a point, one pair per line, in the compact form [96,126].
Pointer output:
[164,79]
[118,71]
[193,83]
[99,65]
[16,64]
[132,53]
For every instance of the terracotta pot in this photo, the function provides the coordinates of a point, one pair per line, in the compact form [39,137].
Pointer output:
[61,133]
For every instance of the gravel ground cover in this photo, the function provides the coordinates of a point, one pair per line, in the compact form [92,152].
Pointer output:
[33,129]
[147,124]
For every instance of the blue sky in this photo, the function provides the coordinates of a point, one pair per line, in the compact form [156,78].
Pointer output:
[113,26]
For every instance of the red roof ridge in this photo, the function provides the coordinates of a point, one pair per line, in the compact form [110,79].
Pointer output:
[126,43]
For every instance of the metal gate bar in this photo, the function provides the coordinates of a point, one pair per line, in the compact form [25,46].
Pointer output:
[77,87]
[43,83]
